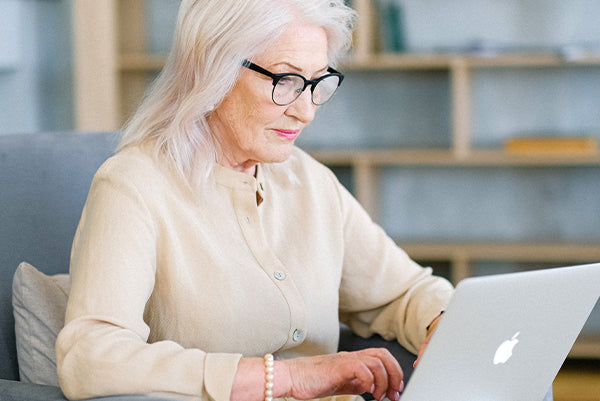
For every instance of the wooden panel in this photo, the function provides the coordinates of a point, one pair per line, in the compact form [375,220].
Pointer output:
[461,107]
[366,187]
[140,62]
[429,61]
[132,40]
[587,347]
[577,383]
[96,74]
[522,251]
[131,26]
[365,34]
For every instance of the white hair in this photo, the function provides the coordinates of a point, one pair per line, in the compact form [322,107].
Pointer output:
[212,38]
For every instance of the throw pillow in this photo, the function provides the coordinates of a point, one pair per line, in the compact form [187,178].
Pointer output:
[39,305]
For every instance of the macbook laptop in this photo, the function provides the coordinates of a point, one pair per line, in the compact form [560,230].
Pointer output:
[504,337]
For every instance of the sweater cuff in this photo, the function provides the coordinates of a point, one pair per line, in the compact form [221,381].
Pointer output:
[433,311]
[219,372]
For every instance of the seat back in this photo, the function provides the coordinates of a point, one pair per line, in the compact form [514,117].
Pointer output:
[44,181]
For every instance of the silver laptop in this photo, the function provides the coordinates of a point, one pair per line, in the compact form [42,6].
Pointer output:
[505,337]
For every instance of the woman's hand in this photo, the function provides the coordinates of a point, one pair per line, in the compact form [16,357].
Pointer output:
[430,330]
[372,370]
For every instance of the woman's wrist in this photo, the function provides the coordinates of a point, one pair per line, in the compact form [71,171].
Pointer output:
[250,379]
[282,383]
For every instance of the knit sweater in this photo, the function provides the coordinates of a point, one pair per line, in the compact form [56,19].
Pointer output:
[173,282]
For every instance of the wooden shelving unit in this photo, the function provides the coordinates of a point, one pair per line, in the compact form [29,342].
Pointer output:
[366,164]
[112,70]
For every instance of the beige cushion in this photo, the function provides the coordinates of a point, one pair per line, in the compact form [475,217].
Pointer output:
[39,304]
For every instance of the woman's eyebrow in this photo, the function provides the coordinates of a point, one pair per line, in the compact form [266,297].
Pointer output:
[298,69]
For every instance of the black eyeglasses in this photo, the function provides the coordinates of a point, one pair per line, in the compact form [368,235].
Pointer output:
[288,87]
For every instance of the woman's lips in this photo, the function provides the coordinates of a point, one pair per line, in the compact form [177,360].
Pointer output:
[289,134]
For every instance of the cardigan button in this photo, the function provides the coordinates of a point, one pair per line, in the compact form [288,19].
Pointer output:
[280,276]
[298,335]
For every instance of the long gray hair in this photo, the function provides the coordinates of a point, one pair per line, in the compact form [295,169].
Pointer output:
[212,37]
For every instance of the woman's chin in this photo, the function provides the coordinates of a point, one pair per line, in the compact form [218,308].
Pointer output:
[280,154]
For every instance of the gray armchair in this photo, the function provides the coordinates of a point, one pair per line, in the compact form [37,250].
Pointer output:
[44,180]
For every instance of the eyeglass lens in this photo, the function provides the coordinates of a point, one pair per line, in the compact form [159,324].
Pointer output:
[290,87]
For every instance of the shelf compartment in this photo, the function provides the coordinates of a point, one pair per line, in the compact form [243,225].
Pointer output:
[406,61]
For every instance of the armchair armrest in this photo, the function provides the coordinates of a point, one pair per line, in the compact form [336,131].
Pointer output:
[11,390]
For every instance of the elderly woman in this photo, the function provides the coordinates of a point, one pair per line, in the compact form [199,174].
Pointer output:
[209,240]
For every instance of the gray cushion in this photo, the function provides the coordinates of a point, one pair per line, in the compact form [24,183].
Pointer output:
[39,304]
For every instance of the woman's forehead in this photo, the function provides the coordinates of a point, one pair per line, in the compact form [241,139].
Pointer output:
[303,46]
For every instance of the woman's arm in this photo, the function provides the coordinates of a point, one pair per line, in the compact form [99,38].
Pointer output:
[382,289]
[103,348]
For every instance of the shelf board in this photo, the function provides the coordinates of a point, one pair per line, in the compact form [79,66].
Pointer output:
[408,61]
[443,157]
[140,62]
[440,61]
[530,60]
[498,251]
[587,346]
[463,255]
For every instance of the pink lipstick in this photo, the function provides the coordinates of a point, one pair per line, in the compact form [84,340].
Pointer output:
[289,134]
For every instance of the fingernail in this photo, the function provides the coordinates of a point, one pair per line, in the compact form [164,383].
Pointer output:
[401,387]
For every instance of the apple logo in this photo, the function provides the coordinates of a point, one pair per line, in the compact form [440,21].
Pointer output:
[505,350]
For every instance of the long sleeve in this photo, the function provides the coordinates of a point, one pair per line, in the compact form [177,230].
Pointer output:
[103,348]
[383,291]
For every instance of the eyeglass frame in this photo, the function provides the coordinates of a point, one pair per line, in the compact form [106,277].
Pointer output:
[312,82]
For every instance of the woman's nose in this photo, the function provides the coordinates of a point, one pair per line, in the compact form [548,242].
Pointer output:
[303,108]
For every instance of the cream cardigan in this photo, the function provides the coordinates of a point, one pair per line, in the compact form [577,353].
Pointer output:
[172,284]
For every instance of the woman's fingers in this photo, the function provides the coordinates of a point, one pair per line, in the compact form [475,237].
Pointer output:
[387,373]
[380,377]
[370,370]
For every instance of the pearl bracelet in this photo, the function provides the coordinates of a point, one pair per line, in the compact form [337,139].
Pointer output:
[269,377]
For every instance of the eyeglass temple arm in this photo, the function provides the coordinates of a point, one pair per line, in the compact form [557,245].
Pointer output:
[259,69]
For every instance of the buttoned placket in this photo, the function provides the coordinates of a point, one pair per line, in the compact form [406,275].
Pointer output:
[247,211]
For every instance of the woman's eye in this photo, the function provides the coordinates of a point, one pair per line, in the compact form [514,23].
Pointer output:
[286,81]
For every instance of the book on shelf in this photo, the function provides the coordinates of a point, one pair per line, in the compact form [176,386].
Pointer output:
[554,145]
[391,23]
